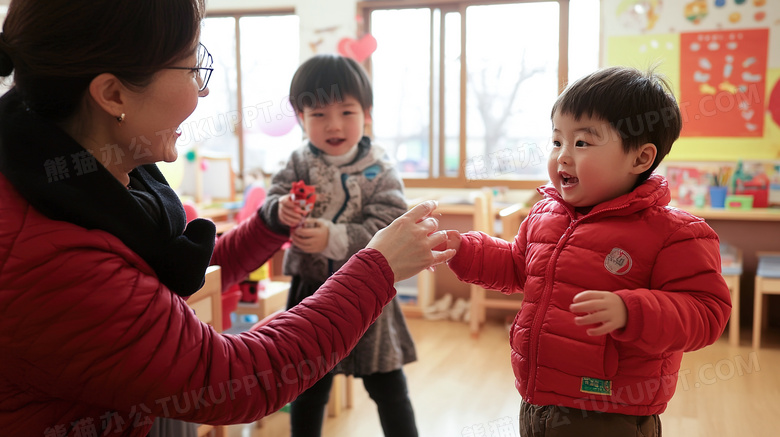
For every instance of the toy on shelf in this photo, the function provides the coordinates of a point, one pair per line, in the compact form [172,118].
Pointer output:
[751,180]
[304,196]
[774,186]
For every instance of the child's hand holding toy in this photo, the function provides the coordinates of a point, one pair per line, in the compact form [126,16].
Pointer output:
[294,207]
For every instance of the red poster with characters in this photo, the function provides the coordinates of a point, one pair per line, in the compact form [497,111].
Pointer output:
[722,83]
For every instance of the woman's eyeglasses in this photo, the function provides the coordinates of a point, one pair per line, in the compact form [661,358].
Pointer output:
[204,68]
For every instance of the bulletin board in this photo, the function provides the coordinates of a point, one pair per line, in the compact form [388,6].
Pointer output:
[723,60]
[723,82]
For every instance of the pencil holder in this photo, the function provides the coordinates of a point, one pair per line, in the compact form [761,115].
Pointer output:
[718,196]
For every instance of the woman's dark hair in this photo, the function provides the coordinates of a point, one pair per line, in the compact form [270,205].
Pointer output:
[325,79]
[639,105]
[56,47]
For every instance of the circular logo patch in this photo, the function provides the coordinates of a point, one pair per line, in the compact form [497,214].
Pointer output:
[618,261]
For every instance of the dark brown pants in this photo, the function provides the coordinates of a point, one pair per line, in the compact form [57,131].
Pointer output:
[555,421]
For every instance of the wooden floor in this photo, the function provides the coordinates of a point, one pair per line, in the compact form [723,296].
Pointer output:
[464,387]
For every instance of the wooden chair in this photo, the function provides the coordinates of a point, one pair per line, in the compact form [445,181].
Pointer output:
[207,305]
[340,392]
[767,282]
[484,217]
[731,270]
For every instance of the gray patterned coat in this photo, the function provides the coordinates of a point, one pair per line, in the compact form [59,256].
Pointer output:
[357,199]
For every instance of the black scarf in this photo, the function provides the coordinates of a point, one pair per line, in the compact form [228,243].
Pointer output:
[64,182]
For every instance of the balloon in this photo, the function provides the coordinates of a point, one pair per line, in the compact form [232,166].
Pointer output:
[358,50]
[276,122]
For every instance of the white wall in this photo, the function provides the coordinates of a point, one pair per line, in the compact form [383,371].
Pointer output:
[323,22]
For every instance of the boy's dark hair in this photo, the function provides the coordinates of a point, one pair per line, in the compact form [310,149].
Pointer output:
[639,106]
[325,79]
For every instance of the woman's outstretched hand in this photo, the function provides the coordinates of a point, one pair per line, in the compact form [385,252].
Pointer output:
[408,242]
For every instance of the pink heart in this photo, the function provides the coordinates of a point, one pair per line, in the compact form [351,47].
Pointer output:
[358,50]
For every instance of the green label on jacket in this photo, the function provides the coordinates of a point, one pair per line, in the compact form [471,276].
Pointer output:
[596,386]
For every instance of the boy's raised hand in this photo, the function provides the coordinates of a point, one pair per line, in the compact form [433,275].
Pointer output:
[312,236]
[453,241]
[602,308]
[290,214]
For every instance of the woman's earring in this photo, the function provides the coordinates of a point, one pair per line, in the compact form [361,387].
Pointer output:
[121,118]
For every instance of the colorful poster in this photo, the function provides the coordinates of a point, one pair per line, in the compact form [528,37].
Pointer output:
[722,83]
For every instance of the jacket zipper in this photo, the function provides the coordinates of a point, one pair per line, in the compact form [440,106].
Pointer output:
[536,326]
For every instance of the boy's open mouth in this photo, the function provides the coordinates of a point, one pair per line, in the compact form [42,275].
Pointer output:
[568,179]
[335,141]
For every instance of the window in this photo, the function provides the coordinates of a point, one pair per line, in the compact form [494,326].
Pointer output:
[462,95]
[246,115]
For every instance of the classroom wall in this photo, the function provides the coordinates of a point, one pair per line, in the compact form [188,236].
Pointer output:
[668,32]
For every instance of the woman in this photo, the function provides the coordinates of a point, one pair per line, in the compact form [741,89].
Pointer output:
[94,255]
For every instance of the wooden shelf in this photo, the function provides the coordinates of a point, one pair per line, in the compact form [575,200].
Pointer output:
[755,214]
[270,300]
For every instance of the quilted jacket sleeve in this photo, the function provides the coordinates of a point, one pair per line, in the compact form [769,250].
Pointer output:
[689,302]
[245,248]
[119,340]
[491,262]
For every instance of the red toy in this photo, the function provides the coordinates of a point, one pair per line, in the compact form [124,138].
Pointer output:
[303,195]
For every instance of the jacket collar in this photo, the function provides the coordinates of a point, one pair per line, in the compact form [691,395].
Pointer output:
[653,192]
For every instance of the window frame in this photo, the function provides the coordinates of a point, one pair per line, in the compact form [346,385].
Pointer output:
[237,14]
[365,8]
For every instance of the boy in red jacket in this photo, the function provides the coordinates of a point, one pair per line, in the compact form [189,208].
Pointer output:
[617,285]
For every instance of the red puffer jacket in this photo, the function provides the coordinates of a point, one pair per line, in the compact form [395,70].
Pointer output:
[91,340]
[664,264]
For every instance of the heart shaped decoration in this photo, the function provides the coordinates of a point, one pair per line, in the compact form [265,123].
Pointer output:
[358,50]
[774,103]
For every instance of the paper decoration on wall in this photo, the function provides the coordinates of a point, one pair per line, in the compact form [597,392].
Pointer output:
[639,14]
[358,50]
[720,3]
[760,16]
[722,82]
[314,45]
[274,122]
[774,103]
[695,11]
[734,17]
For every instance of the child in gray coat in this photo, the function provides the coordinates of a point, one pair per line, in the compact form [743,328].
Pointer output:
[358,192]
